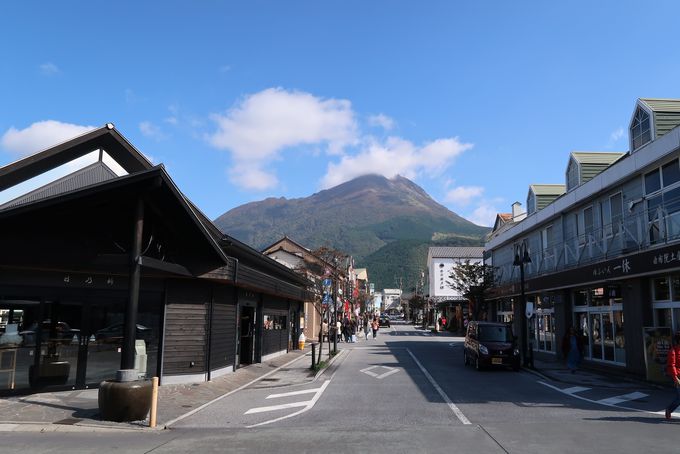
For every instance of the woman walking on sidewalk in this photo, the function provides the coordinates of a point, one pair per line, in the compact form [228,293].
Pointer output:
[673,371]
[375,324]
[572,347]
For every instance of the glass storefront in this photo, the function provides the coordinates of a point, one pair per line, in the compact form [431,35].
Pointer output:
[543,329]
[71,342]
[666,301]
[504,311]
[598,317]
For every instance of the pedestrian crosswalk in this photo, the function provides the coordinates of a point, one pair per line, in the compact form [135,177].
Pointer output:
[594,395]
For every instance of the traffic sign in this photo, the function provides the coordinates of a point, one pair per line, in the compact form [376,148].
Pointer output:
[327,282]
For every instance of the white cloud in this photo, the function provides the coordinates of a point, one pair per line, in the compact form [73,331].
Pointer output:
[616,135]
[49,69]
[463,195]
[152,131]
[396,156]
[253,178]
[264,124]
[382,121]
[40,135]
[484,214]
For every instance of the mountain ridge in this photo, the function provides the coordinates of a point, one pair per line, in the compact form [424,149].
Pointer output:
[360,217]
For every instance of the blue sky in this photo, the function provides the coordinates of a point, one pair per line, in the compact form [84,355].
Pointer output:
[245,100]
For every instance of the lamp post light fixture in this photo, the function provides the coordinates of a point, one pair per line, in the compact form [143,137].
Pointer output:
[522,256]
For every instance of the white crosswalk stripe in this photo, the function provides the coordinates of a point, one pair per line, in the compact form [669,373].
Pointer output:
[624,398]
[575,389]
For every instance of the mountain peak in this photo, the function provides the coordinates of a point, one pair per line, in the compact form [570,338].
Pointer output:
[362,217]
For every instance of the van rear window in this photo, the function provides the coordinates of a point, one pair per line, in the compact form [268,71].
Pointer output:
[495,334]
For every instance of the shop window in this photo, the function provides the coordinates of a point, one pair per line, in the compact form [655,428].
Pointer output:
[581,298]
[274,322]
[661,290]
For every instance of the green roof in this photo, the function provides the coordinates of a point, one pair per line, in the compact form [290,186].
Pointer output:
[661,105]
[548,189]
[592,157]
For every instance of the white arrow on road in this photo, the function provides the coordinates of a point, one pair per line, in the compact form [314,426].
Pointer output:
[308,404]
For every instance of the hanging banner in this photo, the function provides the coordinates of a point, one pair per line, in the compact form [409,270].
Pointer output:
[657,341]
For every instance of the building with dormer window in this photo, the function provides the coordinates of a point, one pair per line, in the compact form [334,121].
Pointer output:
[604,254]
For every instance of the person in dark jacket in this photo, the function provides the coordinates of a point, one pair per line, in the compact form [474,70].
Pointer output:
[673,371]
[572,348]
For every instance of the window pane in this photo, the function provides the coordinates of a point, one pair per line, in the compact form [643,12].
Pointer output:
[581,298]
[619,338]
[671,200]
[671,173]
[661,291]
[652,182]
[675,283]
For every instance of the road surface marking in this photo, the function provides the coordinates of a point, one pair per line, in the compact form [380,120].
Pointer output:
[277,407]
[294,393]
[603,402]
[625,398]
[390,371]
[307,405]
[207,404]
[574,389]
[456,411]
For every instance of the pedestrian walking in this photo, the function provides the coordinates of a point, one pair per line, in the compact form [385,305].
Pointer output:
[673,371]
[366,326]
[572,348]
[375,325]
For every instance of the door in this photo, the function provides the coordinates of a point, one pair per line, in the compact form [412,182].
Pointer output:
[247,335]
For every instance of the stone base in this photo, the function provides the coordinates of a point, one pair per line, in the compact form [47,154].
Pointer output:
[124,401]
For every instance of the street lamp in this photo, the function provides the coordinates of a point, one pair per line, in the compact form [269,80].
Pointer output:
[522,257]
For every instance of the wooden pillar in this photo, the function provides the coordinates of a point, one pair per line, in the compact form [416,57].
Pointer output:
[127,360]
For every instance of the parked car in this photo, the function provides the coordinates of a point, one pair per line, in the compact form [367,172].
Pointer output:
[490,344]
[114,333]
[58,333]
[384,321]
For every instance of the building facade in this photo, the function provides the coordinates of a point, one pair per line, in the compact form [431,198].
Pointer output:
[104,257]
[604,256]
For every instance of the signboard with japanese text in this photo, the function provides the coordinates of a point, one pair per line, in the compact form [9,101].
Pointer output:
[658,341]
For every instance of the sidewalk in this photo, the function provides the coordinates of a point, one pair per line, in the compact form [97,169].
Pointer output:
[68,411]
[558,371]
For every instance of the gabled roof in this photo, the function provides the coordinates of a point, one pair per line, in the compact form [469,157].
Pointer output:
[106,138]
[362,274]
[597,157]
[470,252]
[661,104]
[165,196]
[548,189]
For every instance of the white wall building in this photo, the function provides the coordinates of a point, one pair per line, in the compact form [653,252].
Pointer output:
[391,298]
[440,264]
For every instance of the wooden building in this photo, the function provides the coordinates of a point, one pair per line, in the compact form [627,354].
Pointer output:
[70,217]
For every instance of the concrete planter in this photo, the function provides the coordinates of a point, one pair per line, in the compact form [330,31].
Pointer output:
[124,401]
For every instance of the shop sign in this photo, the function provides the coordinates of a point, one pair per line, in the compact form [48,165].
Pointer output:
[657,342]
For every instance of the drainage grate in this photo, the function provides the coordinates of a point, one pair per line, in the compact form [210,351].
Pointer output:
[68,421]
[271,379]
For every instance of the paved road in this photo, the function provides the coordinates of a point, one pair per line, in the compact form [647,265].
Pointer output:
[406,391]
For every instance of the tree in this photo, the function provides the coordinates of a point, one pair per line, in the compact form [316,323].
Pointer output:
[319,264]
[473,281]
